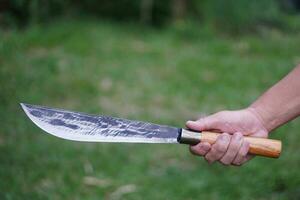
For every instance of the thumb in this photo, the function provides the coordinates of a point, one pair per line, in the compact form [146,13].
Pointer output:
[206,123]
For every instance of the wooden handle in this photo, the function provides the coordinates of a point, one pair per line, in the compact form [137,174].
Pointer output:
[258,146]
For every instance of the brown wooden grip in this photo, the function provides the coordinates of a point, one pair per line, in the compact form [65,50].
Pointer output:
[258,146]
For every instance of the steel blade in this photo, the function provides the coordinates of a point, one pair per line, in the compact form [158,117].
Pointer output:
[91,128]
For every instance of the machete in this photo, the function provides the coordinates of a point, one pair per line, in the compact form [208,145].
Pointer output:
[97,128]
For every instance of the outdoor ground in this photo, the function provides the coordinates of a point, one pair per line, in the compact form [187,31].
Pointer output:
[165,76]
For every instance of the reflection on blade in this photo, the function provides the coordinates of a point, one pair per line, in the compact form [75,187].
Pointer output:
[83,127]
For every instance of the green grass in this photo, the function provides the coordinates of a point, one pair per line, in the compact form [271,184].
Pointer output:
[165,76]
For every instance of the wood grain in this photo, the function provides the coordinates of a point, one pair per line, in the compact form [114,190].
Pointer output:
[258,146]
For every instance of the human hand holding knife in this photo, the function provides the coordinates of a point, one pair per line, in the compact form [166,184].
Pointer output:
[280,104]
[232,147]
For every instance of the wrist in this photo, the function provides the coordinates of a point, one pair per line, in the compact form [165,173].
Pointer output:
[262,116]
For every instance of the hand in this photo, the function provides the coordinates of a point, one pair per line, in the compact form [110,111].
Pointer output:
[230,147]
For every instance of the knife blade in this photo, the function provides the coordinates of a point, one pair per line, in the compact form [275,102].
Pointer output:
[99,128]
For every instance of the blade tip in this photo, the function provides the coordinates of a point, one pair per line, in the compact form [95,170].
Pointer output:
[23,105]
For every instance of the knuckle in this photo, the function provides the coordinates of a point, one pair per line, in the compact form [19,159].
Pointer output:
[203,121]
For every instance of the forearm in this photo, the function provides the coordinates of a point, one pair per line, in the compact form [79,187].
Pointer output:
[281,103]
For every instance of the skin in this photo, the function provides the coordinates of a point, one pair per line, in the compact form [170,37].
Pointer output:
[277,106]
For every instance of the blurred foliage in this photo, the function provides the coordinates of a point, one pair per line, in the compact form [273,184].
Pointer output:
[223,16]
[241,15]
[22,12]
[165,76]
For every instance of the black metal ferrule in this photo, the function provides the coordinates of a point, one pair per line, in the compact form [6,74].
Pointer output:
[179,135]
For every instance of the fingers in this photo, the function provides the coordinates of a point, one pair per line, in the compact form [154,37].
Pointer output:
[219,148]
[200,149]
[241,156]
[233,149]
[228,150]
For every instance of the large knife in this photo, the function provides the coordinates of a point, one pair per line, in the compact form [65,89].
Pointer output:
[91,128]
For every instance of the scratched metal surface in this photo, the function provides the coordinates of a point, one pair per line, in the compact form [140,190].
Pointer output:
[84,127]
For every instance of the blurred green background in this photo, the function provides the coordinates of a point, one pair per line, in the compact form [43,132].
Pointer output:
[159,61]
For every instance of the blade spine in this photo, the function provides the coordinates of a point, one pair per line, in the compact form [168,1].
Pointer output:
[93,115]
